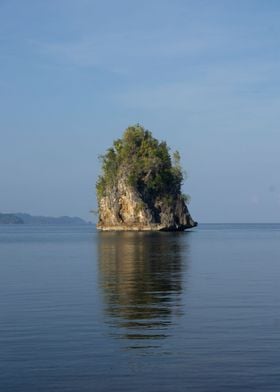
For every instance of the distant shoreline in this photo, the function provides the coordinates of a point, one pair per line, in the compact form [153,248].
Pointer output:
[27,219]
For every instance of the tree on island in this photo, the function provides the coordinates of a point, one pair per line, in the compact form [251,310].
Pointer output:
[140,185]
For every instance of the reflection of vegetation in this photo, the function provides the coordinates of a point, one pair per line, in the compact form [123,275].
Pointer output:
[141,280]
[146,164]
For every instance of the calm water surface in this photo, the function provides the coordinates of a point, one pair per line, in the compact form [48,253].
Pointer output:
[87,311]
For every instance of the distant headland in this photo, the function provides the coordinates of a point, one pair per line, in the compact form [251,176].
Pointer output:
[140,186]
[22,218]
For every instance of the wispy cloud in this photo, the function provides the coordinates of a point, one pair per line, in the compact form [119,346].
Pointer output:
[120,49]
[216,84]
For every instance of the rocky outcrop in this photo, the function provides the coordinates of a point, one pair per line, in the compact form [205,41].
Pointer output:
[140,186]
[123,208]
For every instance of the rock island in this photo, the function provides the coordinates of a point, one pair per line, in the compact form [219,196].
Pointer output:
[140,186]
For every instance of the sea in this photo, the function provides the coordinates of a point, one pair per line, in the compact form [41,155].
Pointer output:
[84,311]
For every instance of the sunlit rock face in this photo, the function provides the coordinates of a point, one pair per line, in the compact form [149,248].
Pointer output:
[124,209]
[140,187]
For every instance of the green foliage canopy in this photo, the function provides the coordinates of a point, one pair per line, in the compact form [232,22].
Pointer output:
[145,163]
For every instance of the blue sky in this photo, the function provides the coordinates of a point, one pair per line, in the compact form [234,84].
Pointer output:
[202,75]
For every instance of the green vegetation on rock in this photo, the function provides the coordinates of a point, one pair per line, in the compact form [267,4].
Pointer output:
[145,163]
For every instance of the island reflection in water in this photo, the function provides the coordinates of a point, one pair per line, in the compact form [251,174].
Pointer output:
[141,280]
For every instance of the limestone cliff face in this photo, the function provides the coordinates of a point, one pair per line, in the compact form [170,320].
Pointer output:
[140,186]
[123,208]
